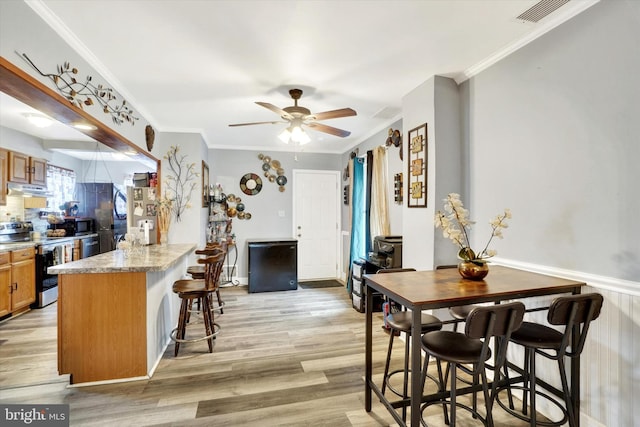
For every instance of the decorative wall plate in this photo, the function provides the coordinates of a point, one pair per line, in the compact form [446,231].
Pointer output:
[251,184]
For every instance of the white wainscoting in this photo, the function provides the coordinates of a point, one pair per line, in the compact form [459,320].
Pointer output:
[610,363]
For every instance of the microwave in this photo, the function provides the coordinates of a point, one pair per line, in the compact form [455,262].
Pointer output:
[77,226]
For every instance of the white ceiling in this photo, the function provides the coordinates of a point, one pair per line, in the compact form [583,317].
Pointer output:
[197,65]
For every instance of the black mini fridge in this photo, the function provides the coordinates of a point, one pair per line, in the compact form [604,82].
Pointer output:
[273,265]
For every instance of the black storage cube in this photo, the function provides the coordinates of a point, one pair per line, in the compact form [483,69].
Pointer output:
[273,265]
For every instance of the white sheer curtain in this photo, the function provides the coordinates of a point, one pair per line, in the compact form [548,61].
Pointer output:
[379,216]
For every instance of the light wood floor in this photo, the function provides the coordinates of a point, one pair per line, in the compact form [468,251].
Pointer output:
[292,358]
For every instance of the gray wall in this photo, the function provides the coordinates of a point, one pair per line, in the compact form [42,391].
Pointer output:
[227,168]
[553,134]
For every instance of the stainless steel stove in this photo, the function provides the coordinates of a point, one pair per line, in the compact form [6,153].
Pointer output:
[14,232]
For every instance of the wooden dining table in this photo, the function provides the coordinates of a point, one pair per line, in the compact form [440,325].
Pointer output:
[427,290]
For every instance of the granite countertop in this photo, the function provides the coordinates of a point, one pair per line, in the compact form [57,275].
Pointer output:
[14,246]
[152,258]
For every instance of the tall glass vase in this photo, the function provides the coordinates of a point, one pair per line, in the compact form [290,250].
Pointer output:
[164,237]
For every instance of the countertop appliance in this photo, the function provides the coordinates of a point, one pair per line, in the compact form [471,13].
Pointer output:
[75,226]
[387,252]
[106,204]
[273,265]
[16,231]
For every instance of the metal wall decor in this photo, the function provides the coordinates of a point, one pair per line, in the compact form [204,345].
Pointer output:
[250,184]
[273,171]
[395,139]
[417,167]
[397,188]
[85,93]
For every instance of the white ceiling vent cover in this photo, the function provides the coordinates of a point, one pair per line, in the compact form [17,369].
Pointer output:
[541,10]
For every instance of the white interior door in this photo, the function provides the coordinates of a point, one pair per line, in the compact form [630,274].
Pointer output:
[316,223]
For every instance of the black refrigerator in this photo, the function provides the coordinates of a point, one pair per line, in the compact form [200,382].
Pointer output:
[107,204]
[273,265]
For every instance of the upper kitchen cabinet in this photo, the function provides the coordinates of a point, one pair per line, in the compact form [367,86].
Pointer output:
[4,166]
[27,170]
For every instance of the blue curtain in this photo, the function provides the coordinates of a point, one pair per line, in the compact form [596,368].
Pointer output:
[358,216]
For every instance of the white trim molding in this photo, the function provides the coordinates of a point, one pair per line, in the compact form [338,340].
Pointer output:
[626,287]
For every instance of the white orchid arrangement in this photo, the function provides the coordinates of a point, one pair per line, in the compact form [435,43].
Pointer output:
[456,226]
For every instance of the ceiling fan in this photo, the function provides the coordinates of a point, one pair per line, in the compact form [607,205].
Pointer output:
[298,116]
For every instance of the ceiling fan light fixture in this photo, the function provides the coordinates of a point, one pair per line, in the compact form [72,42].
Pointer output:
[285,135]
[299,136]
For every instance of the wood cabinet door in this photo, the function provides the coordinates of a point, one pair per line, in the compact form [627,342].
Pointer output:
[23,276]
[5,289]
[4,174]
[18,168]
[38,171]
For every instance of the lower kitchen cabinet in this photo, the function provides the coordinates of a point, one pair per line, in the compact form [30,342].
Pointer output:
[5,284]
[18,279]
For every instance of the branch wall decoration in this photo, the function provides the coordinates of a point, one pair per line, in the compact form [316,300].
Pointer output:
[417,167]
[83,94]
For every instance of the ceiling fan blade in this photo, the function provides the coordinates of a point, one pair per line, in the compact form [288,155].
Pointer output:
[256,123]
[276,110]
[329,129]
[334,114]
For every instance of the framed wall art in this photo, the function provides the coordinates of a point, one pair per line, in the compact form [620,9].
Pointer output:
[205,184]
[417,167]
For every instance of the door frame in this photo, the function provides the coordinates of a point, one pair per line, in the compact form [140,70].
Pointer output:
[338,196]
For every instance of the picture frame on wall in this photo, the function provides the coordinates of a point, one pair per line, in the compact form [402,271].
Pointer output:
[417,167]
[205,184]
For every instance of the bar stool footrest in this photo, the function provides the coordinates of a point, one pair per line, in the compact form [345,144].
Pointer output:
[527,418]
[475,414]
[174,332]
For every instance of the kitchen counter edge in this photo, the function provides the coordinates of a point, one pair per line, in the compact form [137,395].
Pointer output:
[152,258]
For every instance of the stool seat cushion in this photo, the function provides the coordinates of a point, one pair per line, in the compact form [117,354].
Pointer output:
[537,336]
[401,321]
[189,286]
[453,346]
[461,312]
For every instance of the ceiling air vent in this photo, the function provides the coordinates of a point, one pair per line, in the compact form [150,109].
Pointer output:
[541,10]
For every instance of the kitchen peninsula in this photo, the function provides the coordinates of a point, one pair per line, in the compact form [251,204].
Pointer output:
[115,313]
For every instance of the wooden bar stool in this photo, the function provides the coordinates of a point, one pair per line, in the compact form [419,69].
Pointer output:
[197,271]
[201,291]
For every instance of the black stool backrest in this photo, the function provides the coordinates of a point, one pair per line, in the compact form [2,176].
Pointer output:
[494,320]
[575,310]
[212,269]
[499,321]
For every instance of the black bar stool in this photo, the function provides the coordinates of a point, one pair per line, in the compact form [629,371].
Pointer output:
[400,322]
[472,348]
[576,310]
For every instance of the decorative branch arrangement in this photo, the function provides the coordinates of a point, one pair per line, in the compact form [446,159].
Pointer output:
[81,94]
[180,182]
